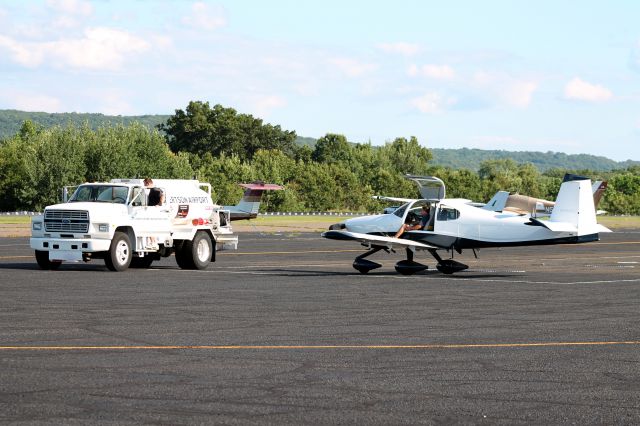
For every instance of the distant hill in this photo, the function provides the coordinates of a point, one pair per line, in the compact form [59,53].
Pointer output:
[11,120]
[465,158]
[471,159]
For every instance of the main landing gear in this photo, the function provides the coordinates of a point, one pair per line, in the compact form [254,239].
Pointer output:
[407,266]
[447,266]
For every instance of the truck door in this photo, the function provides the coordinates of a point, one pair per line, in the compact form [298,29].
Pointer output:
[148,221]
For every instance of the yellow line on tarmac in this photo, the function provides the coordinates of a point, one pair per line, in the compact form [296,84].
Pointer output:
[17,257]
[321,347]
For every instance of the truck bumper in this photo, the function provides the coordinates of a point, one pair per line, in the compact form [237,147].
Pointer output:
[68,249]
[226,242]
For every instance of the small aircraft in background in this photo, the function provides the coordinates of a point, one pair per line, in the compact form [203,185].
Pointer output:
[455,225]
[504,201]
[248,206]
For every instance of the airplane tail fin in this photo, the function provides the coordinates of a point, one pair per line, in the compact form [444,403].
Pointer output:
[498,201]
[249,204]
[574,209]
[598,189]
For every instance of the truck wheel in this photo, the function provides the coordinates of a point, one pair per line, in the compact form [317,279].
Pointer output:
[196,254]
[119,256]
[42,257]
[180,256]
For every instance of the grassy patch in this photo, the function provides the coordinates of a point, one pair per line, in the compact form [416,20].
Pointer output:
[15,219]
[297,220]
[619,221]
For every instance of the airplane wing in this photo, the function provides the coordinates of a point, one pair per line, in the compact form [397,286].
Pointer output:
[375,240]
[394,199]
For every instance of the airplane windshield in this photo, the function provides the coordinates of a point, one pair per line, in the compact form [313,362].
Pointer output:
[100,194]
[400,210]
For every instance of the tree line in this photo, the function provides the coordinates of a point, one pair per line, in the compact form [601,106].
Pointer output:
[468,158]
[223,147]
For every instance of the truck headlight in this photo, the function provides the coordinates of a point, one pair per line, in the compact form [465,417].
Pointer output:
[103,227]
[36,226]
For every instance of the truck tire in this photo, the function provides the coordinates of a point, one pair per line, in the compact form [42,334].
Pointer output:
[180,255]
[195,254]
[42,257]
[119,256]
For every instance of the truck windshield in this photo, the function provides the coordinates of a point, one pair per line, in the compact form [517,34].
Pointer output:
[101,194]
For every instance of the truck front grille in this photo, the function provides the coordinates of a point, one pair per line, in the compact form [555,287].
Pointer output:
[76,221]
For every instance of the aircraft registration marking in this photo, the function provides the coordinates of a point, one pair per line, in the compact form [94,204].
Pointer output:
[320,347]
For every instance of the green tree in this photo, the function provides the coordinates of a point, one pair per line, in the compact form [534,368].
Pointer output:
[332,148]
[219,130]
[407,156]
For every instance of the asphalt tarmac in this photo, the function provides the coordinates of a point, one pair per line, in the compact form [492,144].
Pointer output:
[284,331]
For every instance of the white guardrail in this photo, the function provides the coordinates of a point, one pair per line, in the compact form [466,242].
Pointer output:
[24,213]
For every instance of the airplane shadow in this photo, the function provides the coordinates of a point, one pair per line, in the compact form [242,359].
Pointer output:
[427,273]
[285,272]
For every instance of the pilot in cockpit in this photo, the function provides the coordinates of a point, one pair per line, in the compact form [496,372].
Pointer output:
[411,222]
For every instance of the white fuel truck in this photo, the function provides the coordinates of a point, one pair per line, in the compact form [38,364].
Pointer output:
[113,221]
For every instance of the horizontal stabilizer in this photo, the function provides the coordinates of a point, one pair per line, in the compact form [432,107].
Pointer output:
[261,186]
[556,226]
[566,226]
[376,240]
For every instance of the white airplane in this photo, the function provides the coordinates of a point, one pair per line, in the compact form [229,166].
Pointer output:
[457,224]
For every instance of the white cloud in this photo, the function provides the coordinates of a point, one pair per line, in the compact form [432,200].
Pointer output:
[71,7]
[580,90]
[100,48]
[437,72]
[113,102]
[22,53]
[413,70]
[35,102]
[519,93]
[432,103]
[505,89]
[634,59]
[69,13]
[306,88]
[204,17]
[352,67]
[264,104]
[440,72]
[405,49]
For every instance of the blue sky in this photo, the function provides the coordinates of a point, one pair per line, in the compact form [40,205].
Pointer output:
[558,76]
